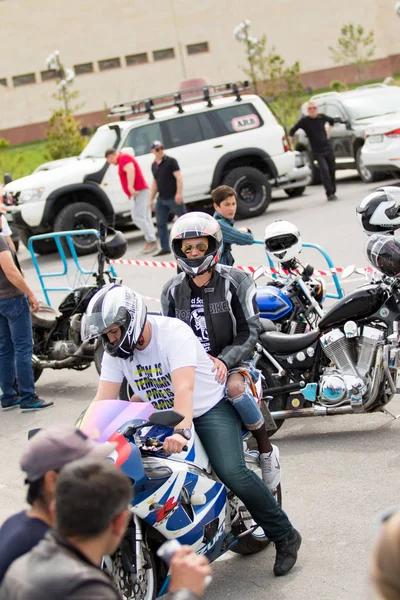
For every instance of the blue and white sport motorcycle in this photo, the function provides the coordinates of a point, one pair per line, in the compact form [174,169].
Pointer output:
[176,497]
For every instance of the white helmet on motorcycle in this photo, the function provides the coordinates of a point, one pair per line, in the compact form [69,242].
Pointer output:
[282,241]
[119,306]
[196,225]
[379,212]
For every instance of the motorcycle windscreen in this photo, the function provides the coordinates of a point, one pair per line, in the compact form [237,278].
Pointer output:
[103,418]
[273,303]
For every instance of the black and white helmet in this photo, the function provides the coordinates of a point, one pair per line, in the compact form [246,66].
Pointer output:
[379,212]
[120,306]
[282,241]
[196,225]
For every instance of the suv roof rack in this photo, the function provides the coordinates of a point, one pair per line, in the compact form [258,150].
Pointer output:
[197,94]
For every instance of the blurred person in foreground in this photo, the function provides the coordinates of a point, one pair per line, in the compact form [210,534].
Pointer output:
[92,511]
[47,451]
[385,567]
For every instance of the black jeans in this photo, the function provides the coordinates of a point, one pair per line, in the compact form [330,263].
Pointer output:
[220,431]
[326,162]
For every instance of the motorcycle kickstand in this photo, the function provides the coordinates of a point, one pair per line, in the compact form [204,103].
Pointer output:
[385,410]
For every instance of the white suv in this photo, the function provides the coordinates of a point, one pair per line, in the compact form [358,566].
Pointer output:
[218,137]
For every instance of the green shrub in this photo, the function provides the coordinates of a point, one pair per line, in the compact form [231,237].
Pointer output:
[337,86]
[63,136]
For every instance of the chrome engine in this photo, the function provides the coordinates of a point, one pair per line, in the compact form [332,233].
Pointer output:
[61,349]
[353,356]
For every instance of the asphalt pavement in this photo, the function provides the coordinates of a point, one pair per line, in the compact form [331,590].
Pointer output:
[339,472]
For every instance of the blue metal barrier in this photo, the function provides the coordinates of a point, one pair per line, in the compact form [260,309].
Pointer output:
[328,260]
[61,251]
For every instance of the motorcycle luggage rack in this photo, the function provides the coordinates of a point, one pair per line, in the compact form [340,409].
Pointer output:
[61,251]
[203,93]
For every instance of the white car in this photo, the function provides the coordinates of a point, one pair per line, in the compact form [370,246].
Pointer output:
[381,151]
[222,136]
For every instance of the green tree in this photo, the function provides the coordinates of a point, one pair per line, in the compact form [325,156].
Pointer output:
[354,47]
[63,136]
[280,81]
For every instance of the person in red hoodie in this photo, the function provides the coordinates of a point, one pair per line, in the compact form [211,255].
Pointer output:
[135,187]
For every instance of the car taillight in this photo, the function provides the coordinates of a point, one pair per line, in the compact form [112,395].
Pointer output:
[393,133]
[286,147]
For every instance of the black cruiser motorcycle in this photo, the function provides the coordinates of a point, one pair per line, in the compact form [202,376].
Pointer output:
[57,342]
[350,363]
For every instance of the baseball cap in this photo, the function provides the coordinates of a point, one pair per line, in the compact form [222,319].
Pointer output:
[53,447]
[157,144]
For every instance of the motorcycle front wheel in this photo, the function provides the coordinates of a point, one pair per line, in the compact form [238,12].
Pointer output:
[142,586]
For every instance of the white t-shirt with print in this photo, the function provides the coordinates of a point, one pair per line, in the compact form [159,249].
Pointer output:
[173,345]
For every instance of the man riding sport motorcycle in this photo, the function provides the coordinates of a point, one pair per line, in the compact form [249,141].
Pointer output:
[165,364]
[219,303]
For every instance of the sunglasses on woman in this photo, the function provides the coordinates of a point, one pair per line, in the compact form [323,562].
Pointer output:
[201,247]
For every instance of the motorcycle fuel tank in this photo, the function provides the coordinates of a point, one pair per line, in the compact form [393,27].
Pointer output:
[272,302]
[360,304]
[80,296]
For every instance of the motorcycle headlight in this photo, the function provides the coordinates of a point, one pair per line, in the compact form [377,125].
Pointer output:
[30,195]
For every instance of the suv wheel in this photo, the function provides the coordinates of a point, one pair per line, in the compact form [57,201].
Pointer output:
[252,188]
[41,246]
[80,215]
[366,175]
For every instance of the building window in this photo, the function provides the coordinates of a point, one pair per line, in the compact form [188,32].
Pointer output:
[197,48]
[83,68]
[137,59]
[109,63]
[164,54]
[3,81]
[50,74]
[24,79]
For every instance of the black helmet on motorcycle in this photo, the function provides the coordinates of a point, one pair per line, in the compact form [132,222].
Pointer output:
[383,252]
[196,225]
[113,247]
[115,306]
[379,212]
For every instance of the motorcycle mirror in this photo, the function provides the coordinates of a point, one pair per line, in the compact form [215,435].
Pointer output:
[347,271]
[167,418]
[308,271]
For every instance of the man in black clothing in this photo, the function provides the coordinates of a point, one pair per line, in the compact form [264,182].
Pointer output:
[167,183]
[314,126]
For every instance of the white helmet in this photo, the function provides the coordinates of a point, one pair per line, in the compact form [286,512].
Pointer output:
[120,306]
[282,241]
[379,212]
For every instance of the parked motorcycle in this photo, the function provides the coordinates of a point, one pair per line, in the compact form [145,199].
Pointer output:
[176,496]
[57,342]
[293,302]
[349,364]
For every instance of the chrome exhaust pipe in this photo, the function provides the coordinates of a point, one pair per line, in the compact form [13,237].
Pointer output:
[315,411]
[63,363]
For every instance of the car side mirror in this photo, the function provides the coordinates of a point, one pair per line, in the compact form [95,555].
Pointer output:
[128,150]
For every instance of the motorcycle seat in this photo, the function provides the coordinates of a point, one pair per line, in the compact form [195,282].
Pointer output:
[267,325]
[283,343]
[44,317]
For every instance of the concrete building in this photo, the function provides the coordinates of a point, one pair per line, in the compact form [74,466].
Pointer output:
[127,49]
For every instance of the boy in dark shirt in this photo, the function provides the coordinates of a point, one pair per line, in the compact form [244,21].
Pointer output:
[225,203]
[314,127]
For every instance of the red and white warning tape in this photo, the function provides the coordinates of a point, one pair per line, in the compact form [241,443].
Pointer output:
[246,269]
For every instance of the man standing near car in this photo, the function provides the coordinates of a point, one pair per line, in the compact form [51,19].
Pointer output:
[135,187]
[318,135]
[168,184]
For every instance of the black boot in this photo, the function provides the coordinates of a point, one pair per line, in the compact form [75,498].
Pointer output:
[286,553]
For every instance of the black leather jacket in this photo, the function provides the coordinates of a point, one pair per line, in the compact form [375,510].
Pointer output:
[56,570]
[230,310]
